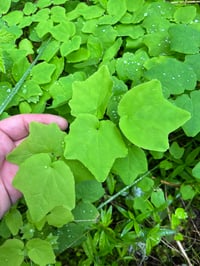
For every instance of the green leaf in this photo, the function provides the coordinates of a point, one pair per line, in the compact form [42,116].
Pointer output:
[191,104]
[176,151]
[11,252]
[94,143]
[70,235]
[42,139]
[29,8]
[158,43]
[194,62]
[61,90]
[178,42]
[158,198]
[144,114]
[131,166]
[187,192]
[70,46]
[40,252]
[85,213]
[63,31]
[87,100]
[116,9]
[175,76]
[196,171]
[54,189]
[14,221]
[130,66]
[42,72]
[89,190]
[59,216]
[185,14]
[146,184]
[4,6]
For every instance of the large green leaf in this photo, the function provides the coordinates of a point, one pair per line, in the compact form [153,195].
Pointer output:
[42,139]
[131,166]
[146,117]
[92,95]
[95,143]
[175,76]
[49,185]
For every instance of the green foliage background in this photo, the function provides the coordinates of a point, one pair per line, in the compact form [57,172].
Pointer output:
[121,186]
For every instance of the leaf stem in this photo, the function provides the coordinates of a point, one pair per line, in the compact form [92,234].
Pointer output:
[126,188]
[10,96]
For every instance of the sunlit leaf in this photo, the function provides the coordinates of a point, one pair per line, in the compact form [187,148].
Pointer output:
[95,143]
[14,247]
[92,95]
[146,118]
[49,185]
[40,251]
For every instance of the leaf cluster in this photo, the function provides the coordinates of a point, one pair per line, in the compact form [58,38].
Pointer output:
[125,74]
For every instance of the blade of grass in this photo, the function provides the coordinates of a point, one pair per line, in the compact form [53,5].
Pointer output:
[10,96]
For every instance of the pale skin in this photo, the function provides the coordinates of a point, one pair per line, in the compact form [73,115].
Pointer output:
[14,130]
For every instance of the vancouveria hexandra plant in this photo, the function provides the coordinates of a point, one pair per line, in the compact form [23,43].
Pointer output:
[124,76]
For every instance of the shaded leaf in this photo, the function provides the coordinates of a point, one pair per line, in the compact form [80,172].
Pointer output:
[42,139]
[129,167]
[89,190]
[179,44]
[175,76]
[191,104]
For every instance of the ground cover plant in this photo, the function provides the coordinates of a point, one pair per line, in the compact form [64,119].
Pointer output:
[121,185]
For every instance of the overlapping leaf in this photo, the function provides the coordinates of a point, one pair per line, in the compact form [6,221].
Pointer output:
[131,166]
[92,95]
[42,139]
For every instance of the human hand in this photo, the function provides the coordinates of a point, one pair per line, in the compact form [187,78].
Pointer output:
[12,132]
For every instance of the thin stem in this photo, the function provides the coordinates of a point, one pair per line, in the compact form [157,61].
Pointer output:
[126,188]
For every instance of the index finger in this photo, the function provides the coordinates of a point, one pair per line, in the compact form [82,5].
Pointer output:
[17,127]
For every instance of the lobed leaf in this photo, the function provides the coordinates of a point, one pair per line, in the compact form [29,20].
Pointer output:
[96,144]
[92,95]
[146,118]
[49,184]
